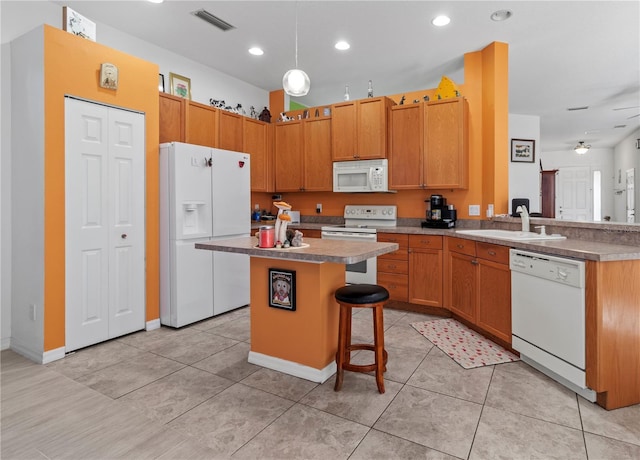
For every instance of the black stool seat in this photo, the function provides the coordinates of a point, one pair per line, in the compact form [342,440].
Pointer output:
[370,296]
[361,294]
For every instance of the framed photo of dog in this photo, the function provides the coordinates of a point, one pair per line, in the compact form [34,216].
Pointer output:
[282,289]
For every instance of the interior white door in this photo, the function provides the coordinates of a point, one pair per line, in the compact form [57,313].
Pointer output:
[573,197]
[104,223]
[631,196]
[126,222]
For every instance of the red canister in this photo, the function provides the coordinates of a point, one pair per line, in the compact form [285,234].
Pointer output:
[266,236]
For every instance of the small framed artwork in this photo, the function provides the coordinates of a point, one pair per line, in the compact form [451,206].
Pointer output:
[73,22]
[282,289]
[108,76]
[161,83]
[179,85]
[523,150]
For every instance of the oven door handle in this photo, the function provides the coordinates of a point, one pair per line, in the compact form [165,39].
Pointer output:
[345,236]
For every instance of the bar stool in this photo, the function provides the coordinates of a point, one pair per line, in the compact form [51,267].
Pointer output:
[361,296]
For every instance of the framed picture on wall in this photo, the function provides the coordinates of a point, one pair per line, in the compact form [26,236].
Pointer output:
[523,150]
[179,85]
[282,289]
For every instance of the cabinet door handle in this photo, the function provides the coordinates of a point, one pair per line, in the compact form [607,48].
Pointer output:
[460,246]
[392,266]
[492,253]
[424,241]
[474,262]
[123,236]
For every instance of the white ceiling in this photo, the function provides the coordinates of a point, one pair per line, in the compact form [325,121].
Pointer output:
[561,54]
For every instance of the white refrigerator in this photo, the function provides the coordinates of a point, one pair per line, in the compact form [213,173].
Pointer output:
[205,194]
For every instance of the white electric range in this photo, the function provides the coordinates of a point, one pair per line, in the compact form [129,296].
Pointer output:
[360,223]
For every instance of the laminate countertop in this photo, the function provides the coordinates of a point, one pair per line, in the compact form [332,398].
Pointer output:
[576,248]
[317,251]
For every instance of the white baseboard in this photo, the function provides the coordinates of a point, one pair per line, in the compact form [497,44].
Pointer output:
[53,355]
[153,324]
[21,349]
[5,344]
[291,368]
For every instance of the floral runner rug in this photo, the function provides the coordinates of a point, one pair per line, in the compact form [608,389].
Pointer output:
[463,345]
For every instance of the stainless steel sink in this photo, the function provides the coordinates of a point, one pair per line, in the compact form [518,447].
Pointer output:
[511,235]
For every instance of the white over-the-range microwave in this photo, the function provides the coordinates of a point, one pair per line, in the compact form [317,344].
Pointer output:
[361,176]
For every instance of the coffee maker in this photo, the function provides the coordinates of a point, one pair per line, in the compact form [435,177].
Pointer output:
[439,214]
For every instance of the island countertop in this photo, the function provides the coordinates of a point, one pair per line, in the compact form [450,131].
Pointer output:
[319,250]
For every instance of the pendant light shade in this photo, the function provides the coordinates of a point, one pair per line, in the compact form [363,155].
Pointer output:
[581,148]
[296,82]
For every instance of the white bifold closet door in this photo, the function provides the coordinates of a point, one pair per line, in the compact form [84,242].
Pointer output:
[104,222]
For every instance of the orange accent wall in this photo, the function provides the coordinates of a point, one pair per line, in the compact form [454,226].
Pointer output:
[486,89]
[72,66]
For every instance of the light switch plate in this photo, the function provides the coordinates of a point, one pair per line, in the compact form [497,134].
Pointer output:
[474,209]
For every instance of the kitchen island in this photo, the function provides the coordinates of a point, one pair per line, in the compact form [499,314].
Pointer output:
[301,341]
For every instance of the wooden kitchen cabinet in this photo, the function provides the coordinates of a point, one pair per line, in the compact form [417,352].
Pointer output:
[317,164]
[479,285]
[359,129]
[172,118]
[257,140]
[230,130]
[494,290]
[425,269]
[303,156]
[548,192]
[406,153]
[288,156]
[393,267]
[201,122]
[429,145]
[446,144]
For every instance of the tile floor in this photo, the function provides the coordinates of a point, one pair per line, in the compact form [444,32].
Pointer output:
[190,393]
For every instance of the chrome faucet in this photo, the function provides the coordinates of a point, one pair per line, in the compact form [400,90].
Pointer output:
[524,215]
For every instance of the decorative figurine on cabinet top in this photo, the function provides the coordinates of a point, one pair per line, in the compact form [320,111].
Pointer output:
[447,89]
[265,115]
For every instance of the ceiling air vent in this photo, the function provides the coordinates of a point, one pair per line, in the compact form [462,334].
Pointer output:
[213,20]
[573,109]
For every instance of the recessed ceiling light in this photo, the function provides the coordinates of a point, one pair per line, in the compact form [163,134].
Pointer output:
[342,45]
[256,51]
[156,1]
[441,20]
[501,15]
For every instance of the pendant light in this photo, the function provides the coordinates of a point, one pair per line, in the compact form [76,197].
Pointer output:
[581,148]
[296,82]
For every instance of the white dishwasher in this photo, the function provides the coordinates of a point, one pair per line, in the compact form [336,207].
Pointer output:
[548,316]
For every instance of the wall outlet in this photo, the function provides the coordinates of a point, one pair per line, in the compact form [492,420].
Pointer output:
[319,208]
[276,197]
[474,209]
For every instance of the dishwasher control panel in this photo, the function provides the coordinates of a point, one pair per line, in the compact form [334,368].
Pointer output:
[552,268]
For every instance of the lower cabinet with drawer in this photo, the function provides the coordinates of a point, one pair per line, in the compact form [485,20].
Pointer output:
[425,270]
[393,268]
[478,283]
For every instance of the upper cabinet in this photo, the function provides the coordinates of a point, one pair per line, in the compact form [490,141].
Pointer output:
[429,145]
[303,156]
[446,144]
[230,131]
[257,141]
[201,124]
[172,118]
[359,129]
[406,153]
